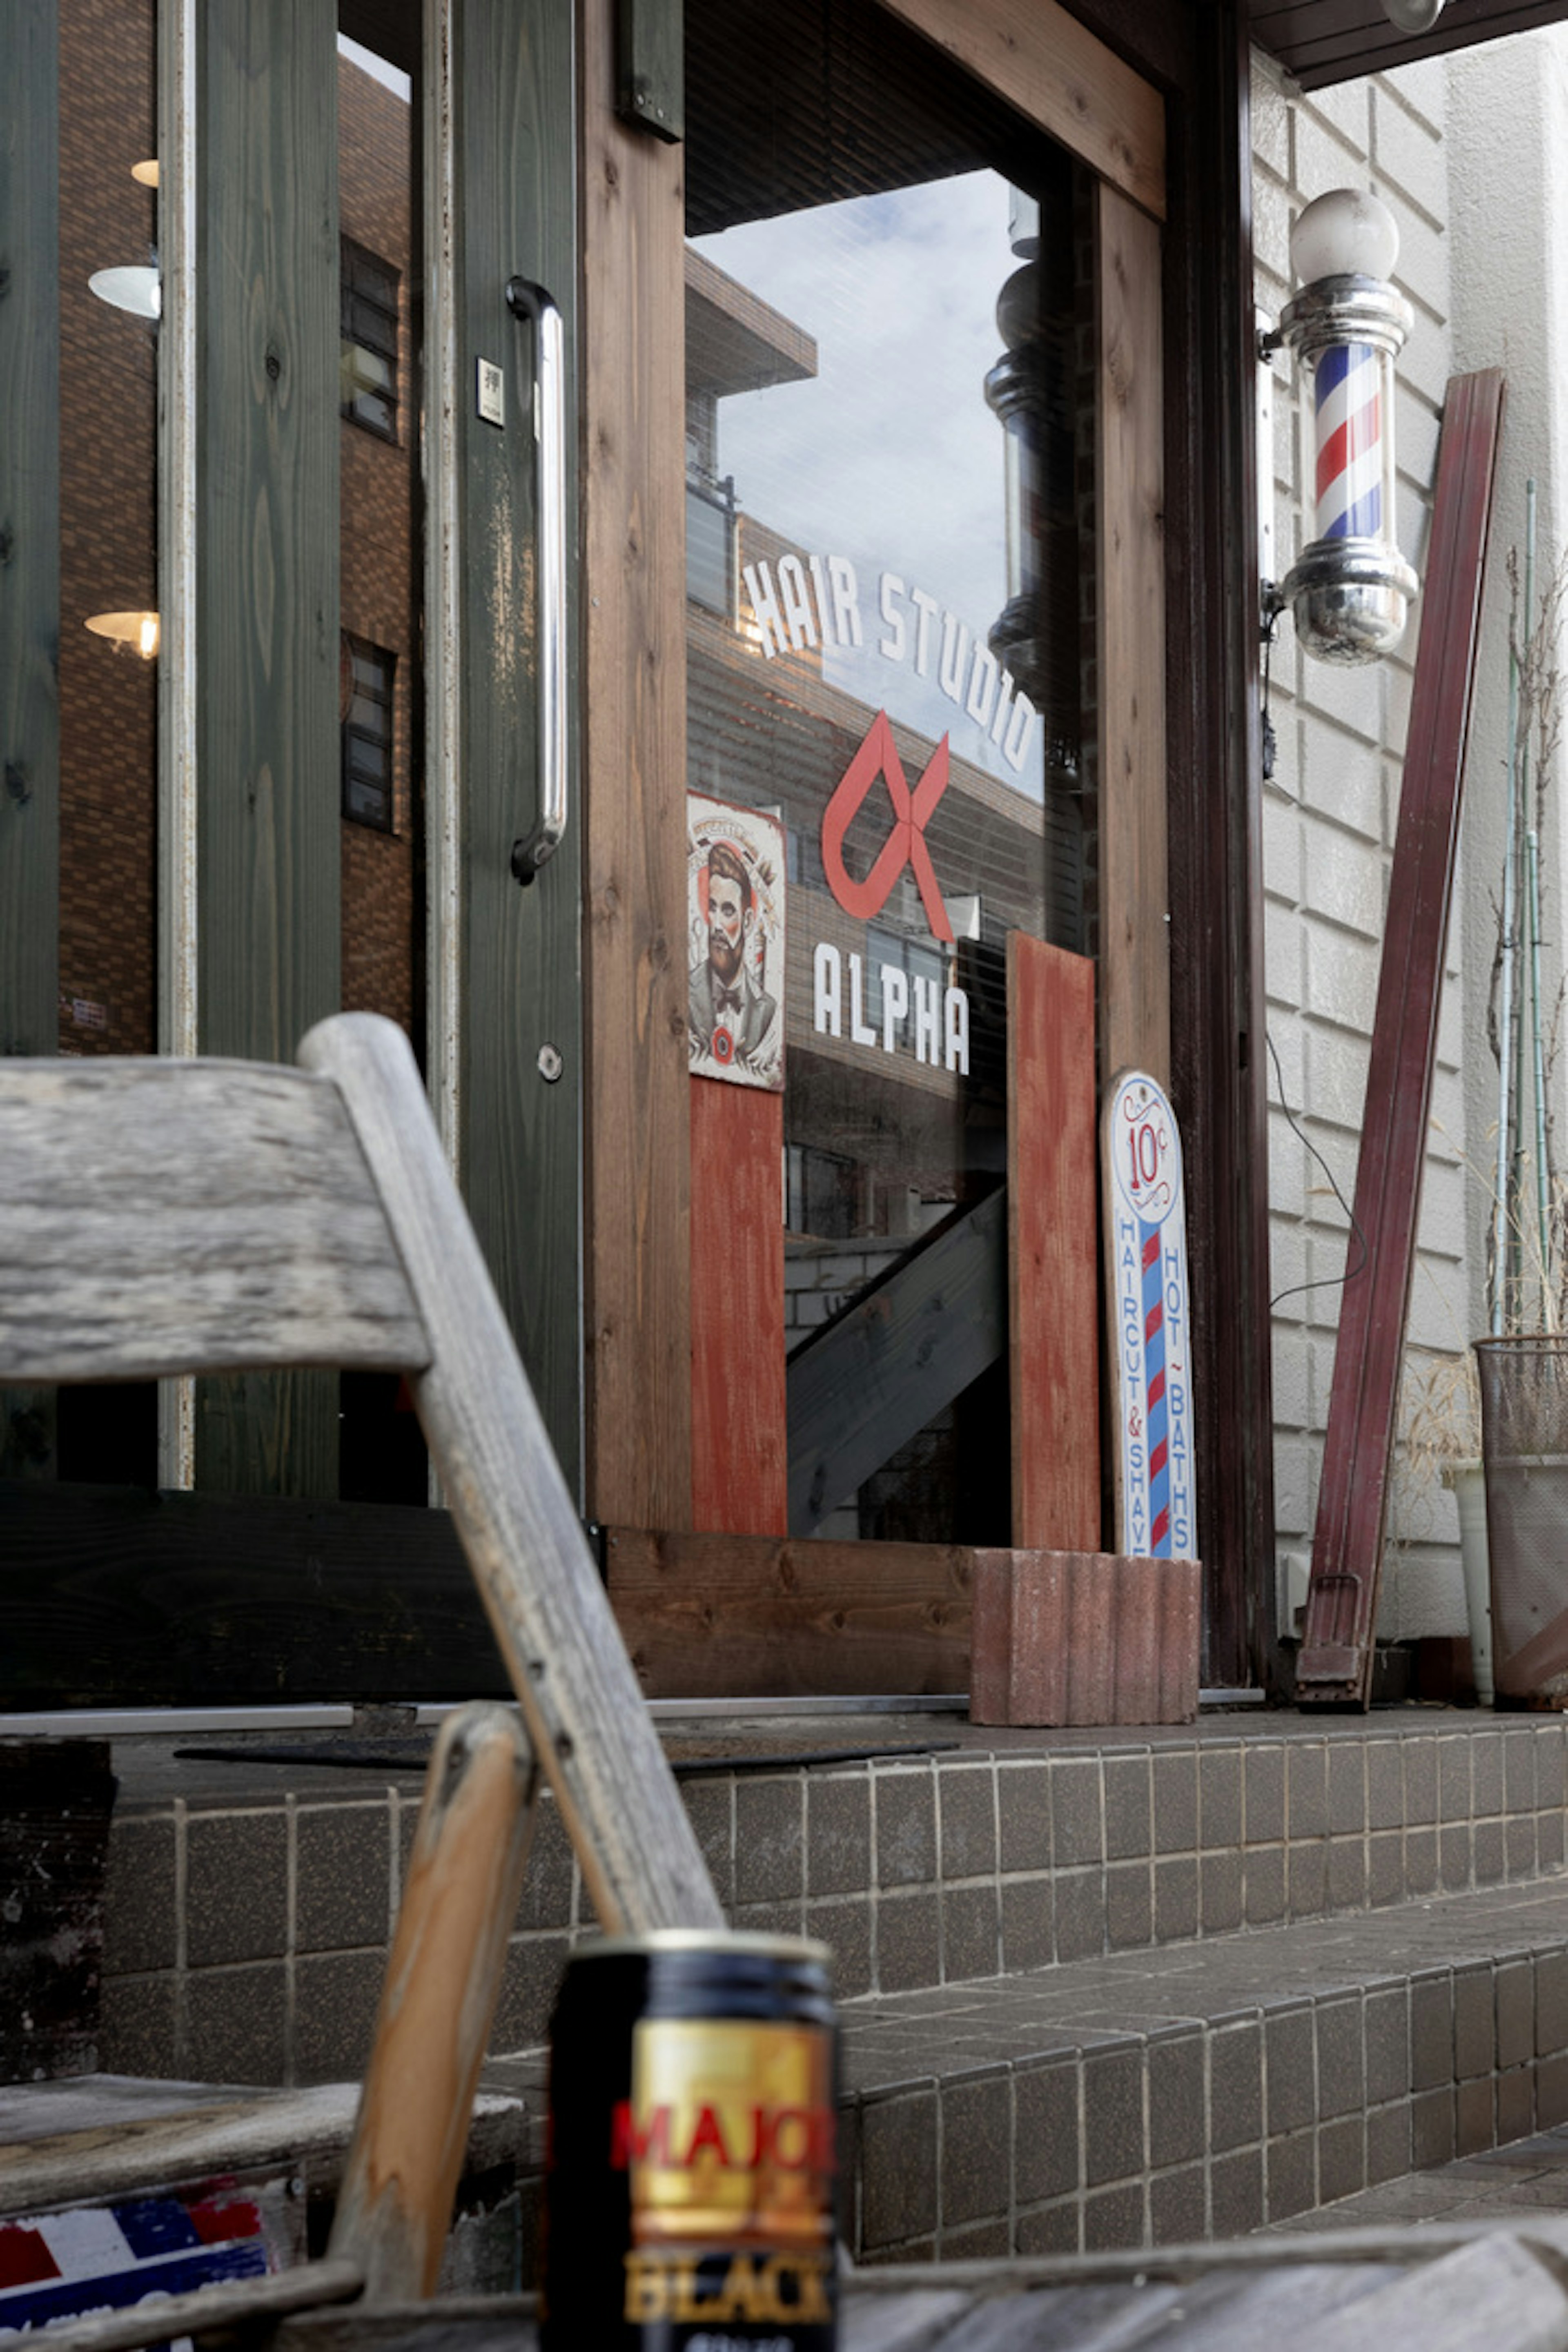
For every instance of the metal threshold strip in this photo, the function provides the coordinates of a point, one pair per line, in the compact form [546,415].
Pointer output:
[182,1722]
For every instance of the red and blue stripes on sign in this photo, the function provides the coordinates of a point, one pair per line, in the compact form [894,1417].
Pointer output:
[1158,1432]
[1349,442]
[105,2257]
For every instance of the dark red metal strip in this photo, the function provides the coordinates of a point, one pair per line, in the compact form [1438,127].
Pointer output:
[1335,1662]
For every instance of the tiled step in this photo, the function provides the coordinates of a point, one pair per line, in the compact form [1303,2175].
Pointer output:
[1099,1990]
[1208,2089]
[249,1906]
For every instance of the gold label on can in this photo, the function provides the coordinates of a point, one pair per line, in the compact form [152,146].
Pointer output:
[728,2135]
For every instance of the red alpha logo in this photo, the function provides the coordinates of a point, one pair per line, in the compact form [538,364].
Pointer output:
[905,846]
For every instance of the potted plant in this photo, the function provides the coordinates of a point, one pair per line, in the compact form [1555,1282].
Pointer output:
[1440,1427]
[1523,1361]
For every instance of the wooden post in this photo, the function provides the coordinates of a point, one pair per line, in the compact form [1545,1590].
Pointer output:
[30,510]
[637,1267]
[443,1976]
[29,598]
[1134,943]
[740,1453]
[1335,1662]
[266,570]
[1053,1247]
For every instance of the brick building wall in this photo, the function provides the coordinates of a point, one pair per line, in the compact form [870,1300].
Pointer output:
[107,983]
[382,921]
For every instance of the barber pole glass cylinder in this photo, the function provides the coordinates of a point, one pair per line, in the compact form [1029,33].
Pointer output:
[1350,594]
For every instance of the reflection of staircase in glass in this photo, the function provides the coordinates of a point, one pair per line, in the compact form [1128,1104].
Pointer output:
[897,1355]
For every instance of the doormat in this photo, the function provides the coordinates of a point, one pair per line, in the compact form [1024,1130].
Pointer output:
[690,1757]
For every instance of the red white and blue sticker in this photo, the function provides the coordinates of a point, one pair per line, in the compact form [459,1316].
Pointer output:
[1156,1502]
[105,2257]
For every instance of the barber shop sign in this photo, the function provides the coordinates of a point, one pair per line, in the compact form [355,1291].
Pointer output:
[917,1014]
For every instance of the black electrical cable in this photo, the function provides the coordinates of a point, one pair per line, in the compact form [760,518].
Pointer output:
[1325,1281]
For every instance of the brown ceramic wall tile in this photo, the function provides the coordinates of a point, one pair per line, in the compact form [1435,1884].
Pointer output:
[905,1828]
[1046,2160]
[336,1995]
[899,2168]
[838,1833]
[976,2135]
[769,1839]
[1176,1802]
[1024,1816]
[966,1814]
[236,1887]
[1078,1833]
[234,2025]
[140,1919]
[342,1877]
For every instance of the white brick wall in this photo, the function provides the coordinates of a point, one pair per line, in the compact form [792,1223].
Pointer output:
[1329,818]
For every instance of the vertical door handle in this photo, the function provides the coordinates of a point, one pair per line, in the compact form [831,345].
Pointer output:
[526,300]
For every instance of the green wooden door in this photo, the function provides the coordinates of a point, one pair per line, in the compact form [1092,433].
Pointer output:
[337,416]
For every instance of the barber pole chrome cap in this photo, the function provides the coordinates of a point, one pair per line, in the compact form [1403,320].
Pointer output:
[1351,592]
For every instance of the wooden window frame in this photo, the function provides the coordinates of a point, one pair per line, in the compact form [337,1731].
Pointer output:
[1050,67]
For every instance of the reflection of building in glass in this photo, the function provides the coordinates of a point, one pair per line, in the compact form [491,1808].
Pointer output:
[768,725]
[108,957]
[810,685]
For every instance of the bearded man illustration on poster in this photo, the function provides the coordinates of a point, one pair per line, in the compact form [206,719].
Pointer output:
[735,920]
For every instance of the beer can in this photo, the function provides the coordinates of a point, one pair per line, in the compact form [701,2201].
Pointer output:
[690,2201]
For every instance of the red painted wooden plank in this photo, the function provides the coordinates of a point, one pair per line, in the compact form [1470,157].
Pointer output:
[739,1458]
[1335,1662]
[1053,1247]
[1084,1638]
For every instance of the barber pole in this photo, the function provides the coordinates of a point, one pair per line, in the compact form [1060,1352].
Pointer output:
[1349,442]
[1348,592]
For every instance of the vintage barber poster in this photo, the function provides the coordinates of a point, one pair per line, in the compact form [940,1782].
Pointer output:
[735,939]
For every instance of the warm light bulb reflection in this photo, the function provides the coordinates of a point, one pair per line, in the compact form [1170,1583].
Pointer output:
[135,287]
[146,173]
[131,633]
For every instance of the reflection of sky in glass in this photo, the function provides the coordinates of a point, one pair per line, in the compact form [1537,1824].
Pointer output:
[890,454]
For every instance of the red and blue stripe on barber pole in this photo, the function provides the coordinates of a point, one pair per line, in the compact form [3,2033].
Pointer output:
[1349,386]
[104,2257]
[1155,1397]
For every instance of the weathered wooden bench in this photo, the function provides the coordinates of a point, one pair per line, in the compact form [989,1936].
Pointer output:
[163,1217]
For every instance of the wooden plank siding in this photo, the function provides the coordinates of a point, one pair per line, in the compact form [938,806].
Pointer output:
[1042,60]
[739,1465]
[1053,1248]
[706,1616]
[29,596]
[29,520]
[1320,42]
[116,1594]
[637,1263]
[266,564]
[1134,940]
[519,982]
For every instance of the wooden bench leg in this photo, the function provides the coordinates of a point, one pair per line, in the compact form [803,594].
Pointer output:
[443,1976]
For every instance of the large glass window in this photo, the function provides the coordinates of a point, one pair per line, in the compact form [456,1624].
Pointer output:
[890,391]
